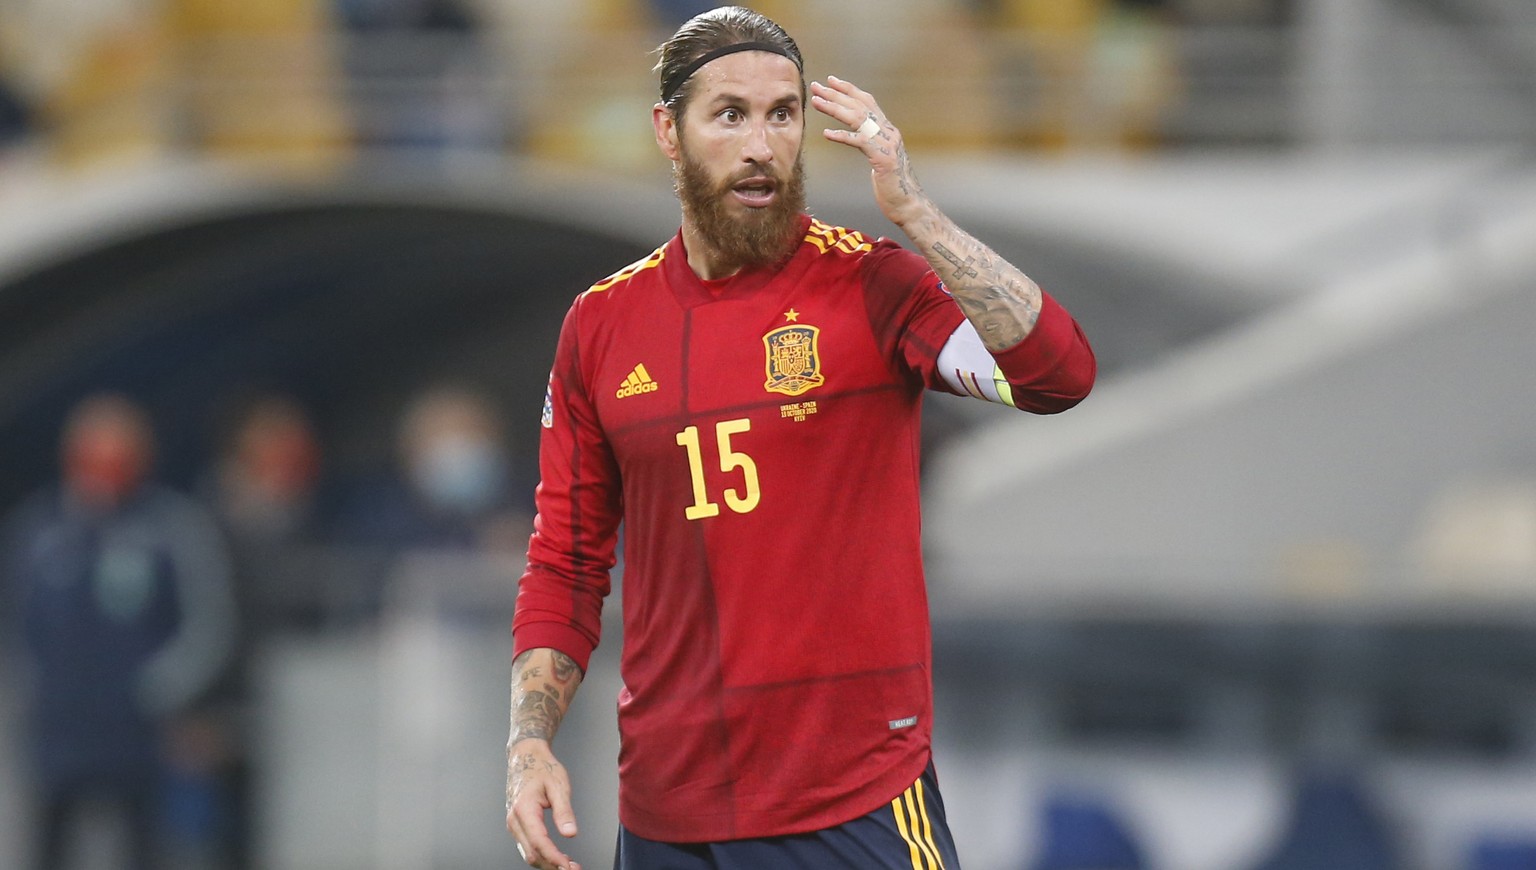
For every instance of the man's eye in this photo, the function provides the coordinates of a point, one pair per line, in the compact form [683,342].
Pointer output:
[730,116]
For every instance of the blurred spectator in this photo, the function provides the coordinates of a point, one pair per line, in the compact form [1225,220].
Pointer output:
[454,488]
[269,492]
[265,486]
[264,490]
[127,619]
[419,75]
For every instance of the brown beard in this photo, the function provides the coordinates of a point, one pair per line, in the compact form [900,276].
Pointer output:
[763,236]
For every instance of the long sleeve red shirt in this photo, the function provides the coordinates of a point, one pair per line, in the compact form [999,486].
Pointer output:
[758,437]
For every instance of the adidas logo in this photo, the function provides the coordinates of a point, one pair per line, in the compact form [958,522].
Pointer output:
[639,381]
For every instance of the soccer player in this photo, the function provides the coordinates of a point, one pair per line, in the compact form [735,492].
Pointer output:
[746,401]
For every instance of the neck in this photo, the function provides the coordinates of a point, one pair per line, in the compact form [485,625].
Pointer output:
[706,262]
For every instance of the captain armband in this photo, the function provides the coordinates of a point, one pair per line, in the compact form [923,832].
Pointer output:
[969,369]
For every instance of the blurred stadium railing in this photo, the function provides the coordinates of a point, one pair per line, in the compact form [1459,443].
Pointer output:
[573,85]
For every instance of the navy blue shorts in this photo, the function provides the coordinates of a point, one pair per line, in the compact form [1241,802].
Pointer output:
[909,833]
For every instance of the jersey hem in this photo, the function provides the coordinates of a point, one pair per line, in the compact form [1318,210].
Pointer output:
[733,825]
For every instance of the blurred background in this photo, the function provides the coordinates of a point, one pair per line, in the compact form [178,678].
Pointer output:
[279,287]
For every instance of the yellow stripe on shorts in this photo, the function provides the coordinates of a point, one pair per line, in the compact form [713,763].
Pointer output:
[922,807]
[901,825]
[916,830]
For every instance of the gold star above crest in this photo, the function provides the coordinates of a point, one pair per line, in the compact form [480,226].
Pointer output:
[792,315]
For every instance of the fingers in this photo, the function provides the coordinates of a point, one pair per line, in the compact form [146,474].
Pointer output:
[525,820]
[560,809]
[844,102]
[853,93]
[867,129]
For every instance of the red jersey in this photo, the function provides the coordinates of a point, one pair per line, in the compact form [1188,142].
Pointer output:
[758,436]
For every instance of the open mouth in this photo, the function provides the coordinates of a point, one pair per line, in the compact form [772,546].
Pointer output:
[755,192]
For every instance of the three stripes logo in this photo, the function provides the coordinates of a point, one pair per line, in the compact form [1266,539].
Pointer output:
[638,382]
[912,822]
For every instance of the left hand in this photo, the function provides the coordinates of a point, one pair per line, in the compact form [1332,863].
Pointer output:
[896,189]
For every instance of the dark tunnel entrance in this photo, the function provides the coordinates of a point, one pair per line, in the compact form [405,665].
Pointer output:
[345,307]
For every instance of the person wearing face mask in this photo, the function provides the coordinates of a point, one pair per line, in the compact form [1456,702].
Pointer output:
[127,618]
[454,456]
[453,486]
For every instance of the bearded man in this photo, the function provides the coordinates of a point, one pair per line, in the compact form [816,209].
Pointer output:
[746,401]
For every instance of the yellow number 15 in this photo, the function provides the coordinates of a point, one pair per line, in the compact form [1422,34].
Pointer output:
[741,501]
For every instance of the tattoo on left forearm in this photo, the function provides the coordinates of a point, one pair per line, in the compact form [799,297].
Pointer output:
[962,267]
[999,300]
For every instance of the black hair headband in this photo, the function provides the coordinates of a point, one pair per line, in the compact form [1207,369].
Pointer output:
[675,81]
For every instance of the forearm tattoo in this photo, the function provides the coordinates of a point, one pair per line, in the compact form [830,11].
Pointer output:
[540,699]
[999,300]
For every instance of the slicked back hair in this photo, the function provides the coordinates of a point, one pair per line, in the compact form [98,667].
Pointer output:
[717,28]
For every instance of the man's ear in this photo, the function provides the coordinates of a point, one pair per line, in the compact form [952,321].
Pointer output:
[666,131]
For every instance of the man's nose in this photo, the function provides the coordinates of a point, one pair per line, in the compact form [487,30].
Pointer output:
[757,148]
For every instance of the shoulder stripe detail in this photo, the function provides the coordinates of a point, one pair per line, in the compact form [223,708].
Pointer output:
[631,270]
[826,237]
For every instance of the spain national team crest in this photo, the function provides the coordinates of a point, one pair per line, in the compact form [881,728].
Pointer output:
[794,362]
